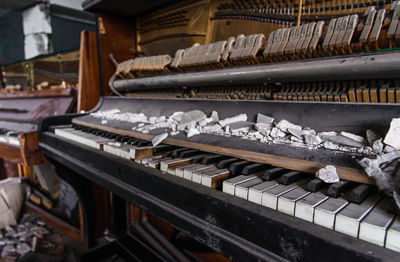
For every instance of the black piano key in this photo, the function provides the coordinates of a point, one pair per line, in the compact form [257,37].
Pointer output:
[162,149]
[315,185]
[168,154]
[236,168]
[335,190]
[213,159]
[123,139]
[189,153]
[144,143]
[292,177]
[137,142]
[199,158]
[253,168]
[227,162]
[360,193]
[274,173]
[176,152]
[131,141]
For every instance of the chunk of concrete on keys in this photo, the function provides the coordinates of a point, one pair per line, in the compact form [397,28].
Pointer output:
[192,132]
[341,140]
[330,145]
[372,136]
[241,126]
[377,146]
[328,174]
[233,119]
[212,128]
[159,138]
[264,119]
[196,115]
[206,121]
[214,116]
[392,136]
[277,133]
[284,125]
[263,128]
[177,116]
[174,133]
[296,132]
[312,139]
[354,137]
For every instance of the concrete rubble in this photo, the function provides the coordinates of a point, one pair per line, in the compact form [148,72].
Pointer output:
[328,174]
[392,137]
[159,138]
[27,236]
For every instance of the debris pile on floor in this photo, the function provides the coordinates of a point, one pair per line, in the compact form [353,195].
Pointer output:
[29,235]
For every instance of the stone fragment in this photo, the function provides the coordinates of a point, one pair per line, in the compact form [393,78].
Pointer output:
[196,115]
[277,133]
[312,139]
[284,125]
[296,132]
[159,138]
[329,133]
[214,116]
[177,116]
[354,137]
[103,122]
[341,140]
[328,174]
[392,137]
[377,146]
[174,133]
[227,130]
[241,126]
[212,129]
[264,119]
[263,128]
[192,132]
[206,121]
[23,248]
[330,145]
[233,119]
[372,136]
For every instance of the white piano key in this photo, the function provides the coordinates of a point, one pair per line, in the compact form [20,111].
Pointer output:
[325,213]
[270,196]
[242,190]
[255,192]
[287,202]
[214,178]
[228,186]
[156,162]
[305,207]
[179,171]
[348,220]
[374,226]
[393,235]
[188,172]
[123,150]
[197,174]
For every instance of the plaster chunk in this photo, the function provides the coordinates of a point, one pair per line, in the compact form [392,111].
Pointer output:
[263,128]
[264,119]
[330,145]
[241,126]
[284,125]
[277,133]
[341,140]
[206,121]
[392,137]
[174,133]
[214,116]
[377,146]
[312,139]
[354,137]
[212,129]
[192,132]
[233,119]
[328,174]
[159,138]
[296,132]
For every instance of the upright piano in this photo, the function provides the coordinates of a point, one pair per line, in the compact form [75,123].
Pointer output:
[220,125]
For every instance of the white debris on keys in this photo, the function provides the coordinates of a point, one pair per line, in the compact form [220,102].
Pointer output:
[266,129]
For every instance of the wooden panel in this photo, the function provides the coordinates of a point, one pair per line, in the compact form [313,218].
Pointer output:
[11,153]
[117,36]
[29,145]
[89,77]
[55,222]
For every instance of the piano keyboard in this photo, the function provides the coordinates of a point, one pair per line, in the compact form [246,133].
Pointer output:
[347,207]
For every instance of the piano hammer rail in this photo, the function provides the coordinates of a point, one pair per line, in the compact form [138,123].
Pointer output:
[358,67]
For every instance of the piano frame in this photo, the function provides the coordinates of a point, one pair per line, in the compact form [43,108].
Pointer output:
[236,228]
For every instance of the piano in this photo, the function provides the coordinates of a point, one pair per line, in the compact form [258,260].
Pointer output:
[162,143]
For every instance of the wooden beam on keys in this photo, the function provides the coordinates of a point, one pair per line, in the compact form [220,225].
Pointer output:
[346,173]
